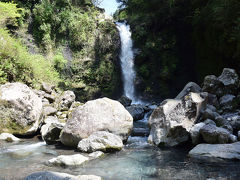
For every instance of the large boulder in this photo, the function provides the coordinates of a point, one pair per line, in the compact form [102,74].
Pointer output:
[215,152]
[190,87]
[137,111]
[229,78]
[49,175]
[65,100]
[98,115]
[101,141]
[214,135]
[226,83]
[212,85]
[51,131]
[195,133]
[125,101]
[68,160]
[20,109]
[171,122]
[228,102]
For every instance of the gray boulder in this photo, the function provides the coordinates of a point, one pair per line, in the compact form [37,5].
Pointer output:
[50,119]
[228,127]
[233,138]
[20,109]
[220,121]
[65,100]
[137,111]
[49,111]
[50,132]
[51,98]
[209,121]
[195,133]
[101,141]
[209,114]
[212,85]
[214,135]
[212,100]
[234,122]
[190,87]
[125,101]
[8,137]
[47,87]
[68,160]
[171,122]
[49,175]
[98,115]
[229,78]
[228,102]
[96,154]
[216,152]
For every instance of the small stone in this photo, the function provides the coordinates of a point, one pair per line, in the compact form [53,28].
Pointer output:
[232,138]
[49,97]
[209,114]
[228,127]
[228,102]
[8,137]
[101,141]
[220,121]
[89,177]
[195,134]
[49,111]
[51,119]
[209,121]
[96,154]
[68,160]
[47,88]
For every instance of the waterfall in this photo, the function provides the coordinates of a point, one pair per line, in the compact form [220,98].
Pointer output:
[127,60]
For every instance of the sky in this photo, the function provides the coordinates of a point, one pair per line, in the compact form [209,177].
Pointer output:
[110,6]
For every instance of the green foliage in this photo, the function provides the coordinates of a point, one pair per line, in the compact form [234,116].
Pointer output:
[181,41]
[57,21]
[216,34]
[64,28]
[59,62]
[16,64]
[8,13]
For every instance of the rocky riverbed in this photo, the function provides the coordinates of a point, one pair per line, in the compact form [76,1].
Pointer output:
[182,138]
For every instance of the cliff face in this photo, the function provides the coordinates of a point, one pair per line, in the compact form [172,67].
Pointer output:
[79,40]
[95,69]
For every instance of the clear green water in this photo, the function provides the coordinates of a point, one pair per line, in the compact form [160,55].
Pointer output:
[137,161]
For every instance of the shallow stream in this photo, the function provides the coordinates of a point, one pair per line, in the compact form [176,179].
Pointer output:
[137,161]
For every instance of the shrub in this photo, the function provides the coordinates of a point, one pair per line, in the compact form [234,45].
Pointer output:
[16,64]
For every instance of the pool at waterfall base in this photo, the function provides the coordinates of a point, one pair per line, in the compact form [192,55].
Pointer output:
[137,161]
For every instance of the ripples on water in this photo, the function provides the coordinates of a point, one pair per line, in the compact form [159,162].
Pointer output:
[137,161]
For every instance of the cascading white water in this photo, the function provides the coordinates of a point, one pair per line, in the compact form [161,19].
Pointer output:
[127,60]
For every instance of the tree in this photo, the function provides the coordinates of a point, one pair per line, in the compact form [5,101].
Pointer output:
[8,12]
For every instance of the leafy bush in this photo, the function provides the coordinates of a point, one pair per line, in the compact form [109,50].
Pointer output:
[9,12]
[59,62]
[16,64]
